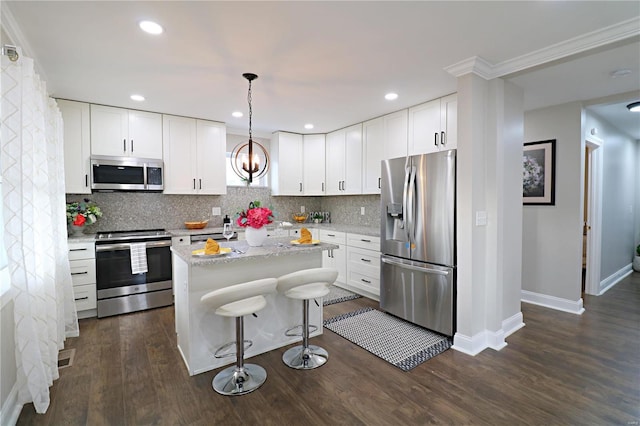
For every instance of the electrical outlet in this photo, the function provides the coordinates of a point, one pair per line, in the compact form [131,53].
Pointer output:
[301,209]
[362,211]
[215,211]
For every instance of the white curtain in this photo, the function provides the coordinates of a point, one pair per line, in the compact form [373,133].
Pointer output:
[35,232]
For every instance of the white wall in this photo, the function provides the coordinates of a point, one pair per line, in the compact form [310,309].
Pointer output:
[620,196]
[552,235]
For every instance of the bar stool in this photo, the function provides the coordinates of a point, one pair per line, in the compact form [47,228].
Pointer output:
[305,285]
[237,301]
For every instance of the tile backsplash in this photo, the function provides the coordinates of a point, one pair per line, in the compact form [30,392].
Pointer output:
[143,210]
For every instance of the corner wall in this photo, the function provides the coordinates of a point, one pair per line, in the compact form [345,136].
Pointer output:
[552,235]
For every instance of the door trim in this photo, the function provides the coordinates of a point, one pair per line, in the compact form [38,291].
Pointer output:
[594,215]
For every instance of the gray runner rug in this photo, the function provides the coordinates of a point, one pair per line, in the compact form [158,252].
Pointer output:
[337,295]
[398,342]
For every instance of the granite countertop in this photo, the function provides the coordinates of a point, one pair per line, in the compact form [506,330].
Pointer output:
[273,247]
[354,229]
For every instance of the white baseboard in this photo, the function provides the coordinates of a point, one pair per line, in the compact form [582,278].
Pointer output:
[614,279]
[479,342]
[512,324]
[557,303]
[10,408]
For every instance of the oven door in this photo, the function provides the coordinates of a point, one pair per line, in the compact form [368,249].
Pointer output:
[113,269]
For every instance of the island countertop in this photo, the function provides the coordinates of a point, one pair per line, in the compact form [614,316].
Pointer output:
[241,251]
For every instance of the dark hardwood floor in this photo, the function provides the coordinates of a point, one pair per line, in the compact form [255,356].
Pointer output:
[560,369]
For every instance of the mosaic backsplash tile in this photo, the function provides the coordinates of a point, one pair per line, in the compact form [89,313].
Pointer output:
[143,210]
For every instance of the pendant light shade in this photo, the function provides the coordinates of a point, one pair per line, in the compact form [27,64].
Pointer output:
[250,160]
[634,107]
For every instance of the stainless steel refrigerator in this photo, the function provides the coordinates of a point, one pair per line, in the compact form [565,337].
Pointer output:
[417,239]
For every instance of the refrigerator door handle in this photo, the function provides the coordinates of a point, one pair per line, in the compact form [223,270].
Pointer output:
[411,232]
[413,267]
[407,176]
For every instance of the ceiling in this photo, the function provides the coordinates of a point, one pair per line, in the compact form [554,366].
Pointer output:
[326,63]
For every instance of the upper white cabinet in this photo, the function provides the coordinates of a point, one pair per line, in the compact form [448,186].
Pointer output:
[77,146]
[313,175]
[433,126]
[344,168]
[194,156]
[286,164]
[395,134]
[382,138]
[125,133]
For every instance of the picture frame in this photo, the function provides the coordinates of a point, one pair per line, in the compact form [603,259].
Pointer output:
[539,173]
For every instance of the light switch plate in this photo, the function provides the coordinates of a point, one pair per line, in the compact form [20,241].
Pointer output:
[481,218]
[215,211]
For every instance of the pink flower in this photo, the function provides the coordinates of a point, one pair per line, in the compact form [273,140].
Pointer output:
[255,216]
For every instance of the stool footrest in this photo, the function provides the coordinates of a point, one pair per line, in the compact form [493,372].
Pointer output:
[218,353]
[290,331]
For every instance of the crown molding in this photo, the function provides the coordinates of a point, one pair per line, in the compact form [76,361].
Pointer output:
[598,38]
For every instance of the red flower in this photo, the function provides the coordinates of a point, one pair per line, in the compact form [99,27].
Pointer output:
[255,216]
[79,220]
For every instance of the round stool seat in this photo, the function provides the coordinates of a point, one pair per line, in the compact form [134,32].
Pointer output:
[237,301]
[305,285]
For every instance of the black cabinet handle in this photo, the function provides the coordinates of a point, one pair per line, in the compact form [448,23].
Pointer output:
[443,141]
[86,180]
[300,186]
[80,249]
[366,260]
[82,298]
[379,183]
[435,138]
[200,183]
[131,145]
[194,183]
[365,241]
[322,186]
[80,273]
[124,145]
[366,281]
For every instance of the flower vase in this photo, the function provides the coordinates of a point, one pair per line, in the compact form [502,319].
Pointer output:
[255,237]
[77,231]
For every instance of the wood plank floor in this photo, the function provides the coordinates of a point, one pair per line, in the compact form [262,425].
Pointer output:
[561,369]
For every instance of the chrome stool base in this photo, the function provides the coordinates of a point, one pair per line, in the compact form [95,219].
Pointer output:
[239,381]
[308,358]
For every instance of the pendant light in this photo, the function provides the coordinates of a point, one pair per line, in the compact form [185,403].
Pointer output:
[634,107]
[245,157]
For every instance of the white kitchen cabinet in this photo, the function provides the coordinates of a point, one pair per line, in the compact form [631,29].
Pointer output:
[313,175]
[77,146]
[194,156]
[344,170]
[286,164]
[125,133]
[82,263]
[433,126]
[363,265]
[335,258]
[396,134]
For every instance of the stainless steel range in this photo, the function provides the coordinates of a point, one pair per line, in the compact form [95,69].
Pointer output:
[133,271]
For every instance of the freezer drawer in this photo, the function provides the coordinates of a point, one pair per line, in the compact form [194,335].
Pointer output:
[420,293]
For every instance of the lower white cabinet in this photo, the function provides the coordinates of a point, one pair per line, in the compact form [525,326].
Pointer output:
[82,262]
[357,261]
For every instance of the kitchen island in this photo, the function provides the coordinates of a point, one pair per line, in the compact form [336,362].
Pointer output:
[200,332]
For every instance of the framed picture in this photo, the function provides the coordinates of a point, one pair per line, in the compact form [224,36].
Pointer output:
[539,173]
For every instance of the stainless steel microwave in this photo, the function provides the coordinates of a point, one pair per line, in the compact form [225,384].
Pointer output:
[126,174]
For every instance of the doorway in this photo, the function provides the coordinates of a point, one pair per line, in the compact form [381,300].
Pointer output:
[592,215]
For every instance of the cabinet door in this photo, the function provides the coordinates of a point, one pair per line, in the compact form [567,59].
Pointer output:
[286,170]
[145,135]
[337,259]
[77,146]
[314,162]
[179,140]
[395,134]
[449,121]
[352,183]
[210,157]
[335,166]
[109,131]
[373,149]
[424,128]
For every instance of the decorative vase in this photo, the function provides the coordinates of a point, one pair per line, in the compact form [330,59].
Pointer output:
[76,231]
[255,237]
[636,263]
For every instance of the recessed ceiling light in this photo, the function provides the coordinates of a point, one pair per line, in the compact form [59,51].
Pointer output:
[137,98]
[150,27]
[308,126]
[391,96]
[620,73]
[237,114]
[634,106]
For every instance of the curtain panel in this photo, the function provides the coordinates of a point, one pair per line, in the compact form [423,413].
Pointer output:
[35,236]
